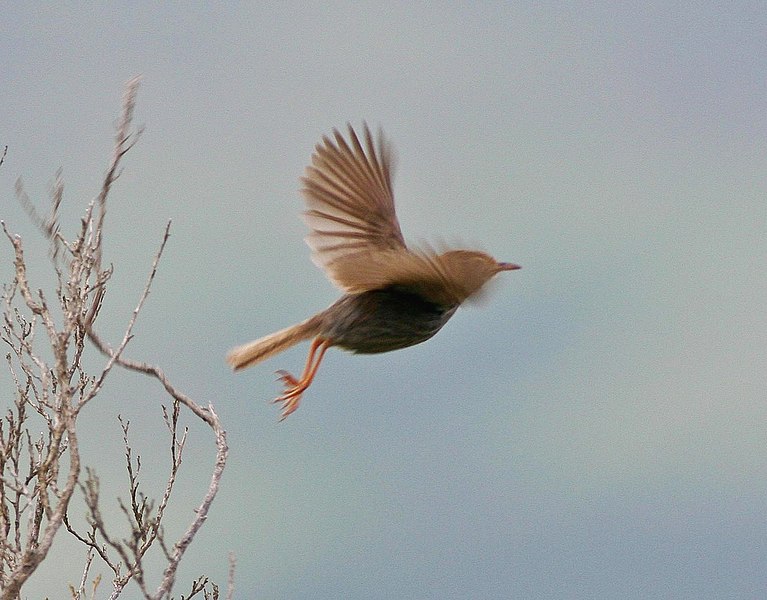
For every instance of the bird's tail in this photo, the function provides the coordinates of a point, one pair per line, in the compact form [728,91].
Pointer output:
[253,353]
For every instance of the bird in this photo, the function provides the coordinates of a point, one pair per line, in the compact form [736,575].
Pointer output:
[394,295]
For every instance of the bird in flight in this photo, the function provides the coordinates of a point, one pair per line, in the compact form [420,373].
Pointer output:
[394,296]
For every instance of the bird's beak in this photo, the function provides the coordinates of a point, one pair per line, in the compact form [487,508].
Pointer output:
[507,266]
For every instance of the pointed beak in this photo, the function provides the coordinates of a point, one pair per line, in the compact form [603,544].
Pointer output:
[507,266]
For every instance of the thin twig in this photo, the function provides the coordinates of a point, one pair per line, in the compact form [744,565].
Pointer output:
[124,141]
[113,356]
[230,577]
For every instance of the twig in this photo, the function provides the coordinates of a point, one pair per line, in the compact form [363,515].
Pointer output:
[124,141]
[113,356]
[80,591]
[230,577]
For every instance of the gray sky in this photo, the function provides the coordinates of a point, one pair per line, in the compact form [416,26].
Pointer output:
[595,429]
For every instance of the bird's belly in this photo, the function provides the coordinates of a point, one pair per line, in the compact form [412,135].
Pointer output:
[386,335]
[382,320]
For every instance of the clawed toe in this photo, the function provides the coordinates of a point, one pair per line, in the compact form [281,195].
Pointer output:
[289,406]
[286,378]
[293,387]
[290,392]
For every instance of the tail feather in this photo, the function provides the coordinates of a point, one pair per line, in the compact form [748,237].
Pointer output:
[254,352]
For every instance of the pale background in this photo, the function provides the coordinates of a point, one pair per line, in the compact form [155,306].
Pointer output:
[596,429]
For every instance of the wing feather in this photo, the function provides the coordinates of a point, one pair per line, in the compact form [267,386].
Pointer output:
[348,193]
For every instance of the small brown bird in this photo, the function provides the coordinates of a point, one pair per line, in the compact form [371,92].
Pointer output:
[394,296]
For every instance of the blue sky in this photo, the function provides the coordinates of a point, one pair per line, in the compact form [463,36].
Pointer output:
[595,429]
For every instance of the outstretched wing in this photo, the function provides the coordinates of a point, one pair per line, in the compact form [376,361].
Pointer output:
[355,236]
[348,192]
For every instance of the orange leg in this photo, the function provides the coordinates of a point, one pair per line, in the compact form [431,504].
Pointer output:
[294,388]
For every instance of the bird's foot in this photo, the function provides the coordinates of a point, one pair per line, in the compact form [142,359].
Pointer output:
[291,397]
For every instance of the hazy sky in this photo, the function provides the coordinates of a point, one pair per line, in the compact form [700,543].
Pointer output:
[596,429]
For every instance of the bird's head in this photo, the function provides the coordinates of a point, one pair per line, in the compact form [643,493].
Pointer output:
[473,268]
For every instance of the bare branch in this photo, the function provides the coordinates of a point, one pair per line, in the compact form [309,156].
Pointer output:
[79,593]
[230,577]
[62,436]
[36,485]
[209,416]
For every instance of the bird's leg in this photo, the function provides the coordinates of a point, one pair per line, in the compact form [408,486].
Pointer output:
[288,379]
[294,388]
